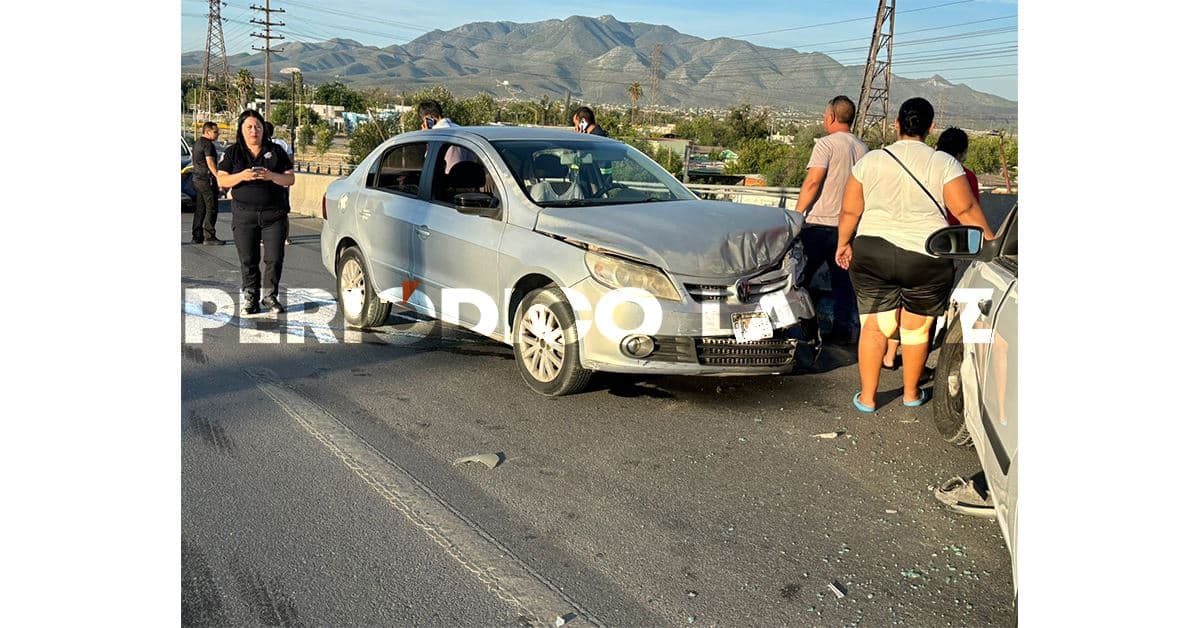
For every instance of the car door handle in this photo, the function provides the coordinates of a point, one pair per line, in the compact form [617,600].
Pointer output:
[985,306]
[423,232]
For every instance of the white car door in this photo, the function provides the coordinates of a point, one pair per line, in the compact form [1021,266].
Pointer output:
[386,206]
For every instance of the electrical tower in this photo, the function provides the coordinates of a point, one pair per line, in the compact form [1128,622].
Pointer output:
[214,52]
[877,77]
[266,49]
[655,79]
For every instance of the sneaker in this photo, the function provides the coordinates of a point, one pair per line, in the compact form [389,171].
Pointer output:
[214,242]
[250,307]
[273,304]
[197,240]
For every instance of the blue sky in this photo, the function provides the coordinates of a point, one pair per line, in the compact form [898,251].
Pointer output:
[972,41]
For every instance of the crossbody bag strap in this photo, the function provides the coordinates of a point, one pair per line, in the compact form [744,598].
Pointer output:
[914,178]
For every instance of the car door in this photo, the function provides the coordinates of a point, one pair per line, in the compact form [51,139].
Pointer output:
[452,249]
[385,209]
[998,412]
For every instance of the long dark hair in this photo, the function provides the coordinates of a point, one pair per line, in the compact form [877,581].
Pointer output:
[250,113]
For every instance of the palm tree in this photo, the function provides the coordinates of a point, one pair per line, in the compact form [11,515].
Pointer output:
[244,82]
[635,94]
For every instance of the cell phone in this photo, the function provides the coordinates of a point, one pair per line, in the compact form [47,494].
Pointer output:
[583,125]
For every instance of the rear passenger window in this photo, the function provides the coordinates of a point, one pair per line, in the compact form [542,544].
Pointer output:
[399,169]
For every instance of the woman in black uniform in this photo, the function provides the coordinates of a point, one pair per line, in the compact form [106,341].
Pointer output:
[258,171]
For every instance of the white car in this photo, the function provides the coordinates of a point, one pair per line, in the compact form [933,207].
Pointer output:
[975,385]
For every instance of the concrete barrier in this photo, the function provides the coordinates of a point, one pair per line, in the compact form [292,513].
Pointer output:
[307,192]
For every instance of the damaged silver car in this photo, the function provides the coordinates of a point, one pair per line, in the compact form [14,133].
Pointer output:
[578,251]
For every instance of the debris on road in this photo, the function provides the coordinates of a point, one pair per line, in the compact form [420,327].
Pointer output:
[891,511]
[563,619]
[692,594]
[490,461]
[839,590]
[829,435]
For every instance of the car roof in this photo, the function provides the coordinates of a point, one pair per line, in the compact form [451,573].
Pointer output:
[498,132]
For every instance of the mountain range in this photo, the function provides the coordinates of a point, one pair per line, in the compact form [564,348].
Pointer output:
[596,59]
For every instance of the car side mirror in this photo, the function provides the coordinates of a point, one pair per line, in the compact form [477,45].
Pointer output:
[477,204]
[956,241]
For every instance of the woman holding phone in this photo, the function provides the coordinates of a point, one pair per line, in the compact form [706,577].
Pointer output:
[258,172]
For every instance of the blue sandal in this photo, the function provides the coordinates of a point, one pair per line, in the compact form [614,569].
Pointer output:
[865,409]
[921,400]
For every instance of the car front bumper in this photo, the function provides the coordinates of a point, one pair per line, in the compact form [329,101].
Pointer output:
[692,338]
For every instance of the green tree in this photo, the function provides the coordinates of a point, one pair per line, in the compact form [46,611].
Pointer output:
[635,94]
[369,134]
[243,82]
[337,94]
[324,138]
[306,135]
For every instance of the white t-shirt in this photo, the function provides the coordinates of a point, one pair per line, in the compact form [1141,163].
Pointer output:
[895,208]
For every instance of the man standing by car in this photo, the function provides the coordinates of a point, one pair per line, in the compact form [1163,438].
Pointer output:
[204,169]
[432,118]
[584,121]
[821,202]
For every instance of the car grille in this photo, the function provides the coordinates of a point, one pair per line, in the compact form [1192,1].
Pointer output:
[771,280]
[726,351]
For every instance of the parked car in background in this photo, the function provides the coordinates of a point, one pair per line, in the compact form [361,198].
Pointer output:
[555,232]
[975,386]
[187,191]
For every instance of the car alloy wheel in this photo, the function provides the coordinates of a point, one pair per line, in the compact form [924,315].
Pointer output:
[360,305]
[542,345]
[353,289]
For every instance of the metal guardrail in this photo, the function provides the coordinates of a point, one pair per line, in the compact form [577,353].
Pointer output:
[312,167]
[786,196]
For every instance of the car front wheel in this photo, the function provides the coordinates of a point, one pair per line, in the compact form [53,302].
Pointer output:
[947,404]
[546,345]
[360,305]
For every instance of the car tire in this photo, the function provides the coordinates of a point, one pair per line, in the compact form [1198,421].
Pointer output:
[360,305]
[948,416]
[546,344]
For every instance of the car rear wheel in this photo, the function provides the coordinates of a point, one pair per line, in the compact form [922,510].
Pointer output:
[546,345]
[947,404]
[360,305]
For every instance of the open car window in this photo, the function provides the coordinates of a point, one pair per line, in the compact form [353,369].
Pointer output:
[586,172]
[399,169]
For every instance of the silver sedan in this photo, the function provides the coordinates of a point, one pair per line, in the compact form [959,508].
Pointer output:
[578,251]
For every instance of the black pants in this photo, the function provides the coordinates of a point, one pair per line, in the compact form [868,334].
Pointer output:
[204,219]
[267,227]
[820,247]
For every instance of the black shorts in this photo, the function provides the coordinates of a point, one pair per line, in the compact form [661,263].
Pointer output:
[886,277]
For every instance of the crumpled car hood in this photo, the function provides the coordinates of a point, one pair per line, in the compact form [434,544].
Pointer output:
[698,238]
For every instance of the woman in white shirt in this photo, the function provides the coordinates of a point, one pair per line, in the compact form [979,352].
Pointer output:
[893,202]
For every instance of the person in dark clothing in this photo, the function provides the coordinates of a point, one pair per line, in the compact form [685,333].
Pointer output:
[204,169]
[258,172]
[584,121]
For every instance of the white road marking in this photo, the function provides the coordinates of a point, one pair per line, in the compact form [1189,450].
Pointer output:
[505,574]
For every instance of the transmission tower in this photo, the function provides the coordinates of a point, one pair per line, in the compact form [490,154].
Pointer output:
[214,52]
[655,79]
[877,77]
[266,49]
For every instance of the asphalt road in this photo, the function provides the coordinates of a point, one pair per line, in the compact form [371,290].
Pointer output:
[319,484]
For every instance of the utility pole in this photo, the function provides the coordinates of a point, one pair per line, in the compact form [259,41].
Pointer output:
[1003,161]
[655,79]
[567,108]
[214,53]
[873,98]
[266,49]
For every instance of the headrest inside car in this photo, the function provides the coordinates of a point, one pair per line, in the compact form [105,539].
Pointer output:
[465,174]
[548,166]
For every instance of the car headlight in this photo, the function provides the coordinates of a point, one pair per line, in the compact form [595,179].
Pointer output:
[615,272]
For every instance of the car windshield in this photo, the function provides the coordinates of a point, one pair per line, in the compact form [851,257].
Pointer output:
[585,172]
